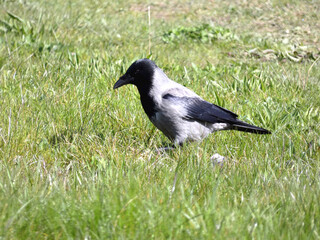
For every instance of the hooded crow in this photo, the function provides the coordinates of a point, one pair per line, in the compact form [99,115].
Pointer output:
[176,110]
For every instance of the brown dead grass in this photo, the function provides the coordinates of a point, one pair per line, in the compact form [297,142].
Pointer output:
[297,22]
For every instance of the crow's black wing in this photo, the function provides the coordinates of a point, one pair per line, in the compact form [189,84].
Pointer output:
[201,110]
[197,109]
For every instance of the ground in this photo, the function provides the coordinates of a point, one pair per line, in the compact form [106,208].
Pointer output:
[78,160]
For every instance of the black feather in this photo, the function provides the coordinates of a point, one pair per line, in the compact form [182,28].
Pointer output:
[200,110]
[203,111]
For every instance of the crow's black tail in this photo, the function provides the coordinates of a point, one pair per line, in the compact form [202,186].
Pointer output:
[245,127]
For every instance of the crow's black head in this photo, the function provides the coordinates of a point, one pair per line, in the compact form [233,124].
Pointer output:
[140,73]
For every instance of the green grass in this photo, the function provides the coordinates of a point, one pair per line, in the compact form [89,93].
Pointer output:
[78,160]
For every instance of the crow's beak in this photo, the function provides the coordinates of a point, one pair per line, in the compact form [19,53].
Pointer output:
[125,79]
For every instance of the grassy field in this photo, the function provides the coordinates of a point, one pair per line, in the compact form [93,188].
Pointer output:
[78,160]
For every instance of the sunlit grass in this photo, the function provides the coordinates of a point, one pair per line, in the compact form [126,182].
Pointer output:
[79,160]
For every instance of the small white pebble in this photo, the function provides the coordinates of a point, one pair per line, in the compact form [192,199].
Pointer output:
[217,159]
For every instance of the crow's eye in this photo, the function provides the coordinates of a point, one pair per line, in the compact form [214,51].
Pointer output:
[136,72]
